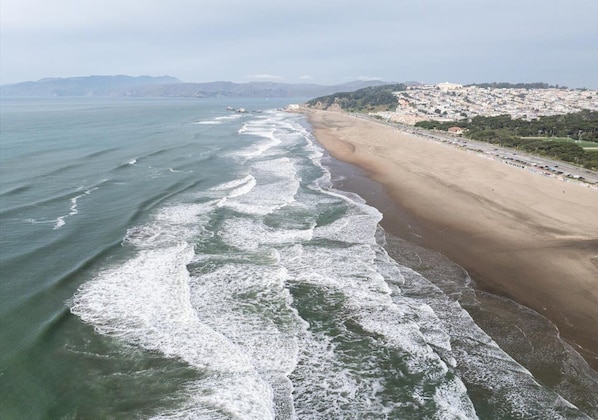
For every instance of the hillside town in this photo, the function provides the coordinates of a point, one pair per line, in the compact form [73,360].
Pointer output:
[452,102]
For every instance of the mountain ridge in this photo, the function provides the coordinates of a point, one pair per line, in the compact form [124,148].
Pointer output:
[168,86]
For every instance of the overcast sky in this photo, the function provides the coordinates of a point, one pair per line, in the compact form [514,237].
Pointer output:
[317,41]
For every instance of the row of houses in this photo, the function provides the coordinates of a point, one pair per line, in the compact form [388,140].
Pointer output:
[453,102]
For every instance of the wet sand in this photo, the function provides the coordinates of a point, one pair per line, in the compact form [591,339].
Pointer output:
[521,235]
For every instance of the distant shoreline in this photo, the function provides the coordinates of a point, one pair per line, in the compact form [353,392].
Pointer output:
[531,238]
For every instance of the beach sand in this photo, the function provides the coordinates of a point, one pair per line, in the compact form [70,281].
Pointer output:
[521,235]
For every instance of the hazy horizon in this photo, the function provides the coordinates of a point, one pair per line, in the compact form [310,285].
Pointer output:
[326,43]
[281,81]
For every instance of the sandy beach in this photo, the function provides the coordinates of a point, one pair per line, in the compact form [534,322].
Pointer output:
[521,235]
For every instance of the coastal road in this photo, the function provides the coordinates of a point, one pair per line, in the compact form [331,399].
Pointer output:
[533,162]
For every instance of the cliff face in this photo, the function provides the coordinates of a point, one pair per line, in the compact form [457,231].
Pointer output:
[322,105]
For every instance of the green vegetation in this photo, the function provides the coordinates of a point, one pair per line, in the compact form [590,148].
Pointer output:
[581,143]
[370,99]
[539,136]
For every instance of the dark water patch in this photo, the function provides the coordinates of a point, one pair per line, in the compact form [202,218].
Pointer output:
[40,300]
[61,170]
[168,149]
[30,286]
[99,153]
[168,192]
[90,376]
[17,211]
[15,191]
[52,193]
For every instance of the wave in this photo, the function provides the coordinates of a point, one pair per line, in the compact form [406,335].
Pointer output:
[74,210]
[244,182]
[73,200]
[32,177]
[51,283]
[16,190]
[100,153]
[231,117]
[146,300]
[208,122]
[279,291]
[168,149]
[219,120]
[156,166]
[175,189]
[265,129]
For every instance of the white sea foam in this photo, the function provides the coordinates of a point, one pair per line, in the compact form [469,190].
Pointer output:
[265,130]
[257,149]
[236,187]
[249,304]
[229,117]
[249,235]
[146,301]
[59,222]
[73,209]
[354,271]
[481,362]
[326,388]
[275,187]
[228,309]
[233,184]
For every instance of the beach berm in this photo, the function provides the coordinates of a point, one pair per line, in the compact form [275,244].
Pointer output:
[522,235]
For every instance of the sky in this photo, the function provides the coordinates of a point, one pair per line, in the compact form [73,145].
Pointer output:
[303,41]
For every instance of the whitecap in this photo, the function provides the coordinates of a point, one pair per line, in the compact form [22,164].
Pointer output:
[146,301]
[249,235]
[237,187]
[59,222]
[73,209]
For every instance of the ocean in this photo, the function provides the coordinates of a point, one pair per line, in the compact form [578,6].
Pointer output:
[170,258]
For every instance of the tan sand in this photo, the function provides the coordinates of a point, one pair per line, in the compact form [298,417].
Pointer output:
[522,235]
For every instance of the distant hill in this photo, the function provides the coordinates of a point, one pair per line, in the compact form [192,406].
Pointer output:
[167,86]
[84,86]
[371,98]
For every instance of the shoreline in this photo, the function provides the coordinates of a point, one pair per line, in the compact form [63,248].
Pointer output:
[519,235]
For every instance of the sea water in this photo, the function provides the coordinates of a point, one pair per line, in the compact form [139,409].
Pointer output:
[168,258]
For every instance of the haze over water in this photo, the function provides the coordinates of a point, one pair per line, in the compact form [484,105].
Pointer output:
[172,259]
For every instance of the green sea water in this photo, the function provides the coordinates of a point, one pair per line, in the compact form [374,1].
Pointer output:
[167,258]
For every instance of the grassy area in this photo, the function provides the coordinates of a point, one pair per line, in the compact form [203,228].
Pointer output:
[585,144]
